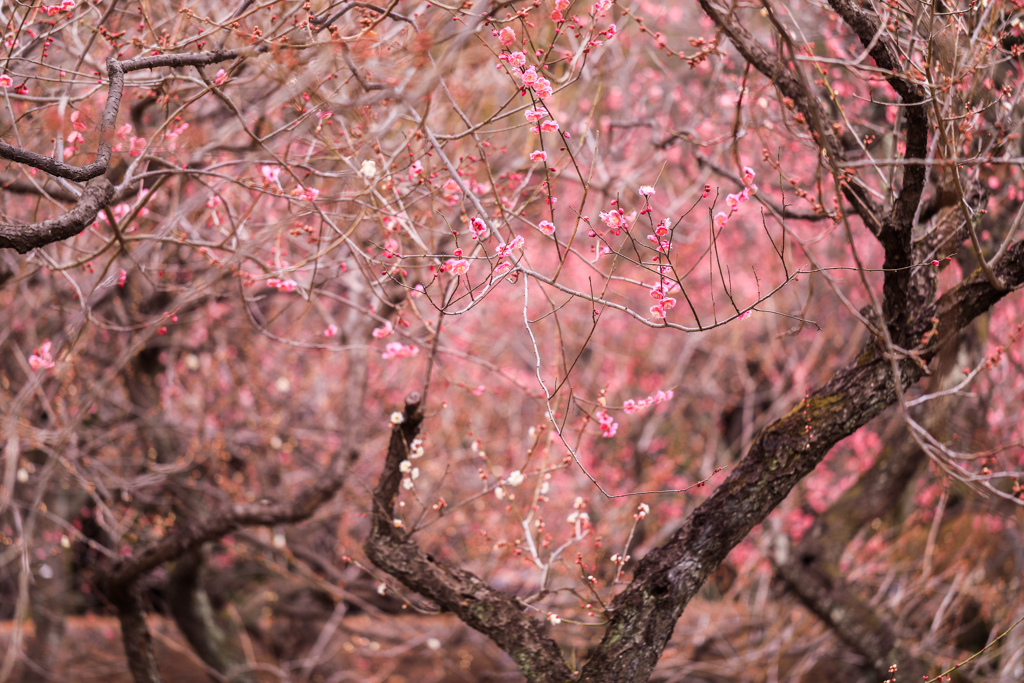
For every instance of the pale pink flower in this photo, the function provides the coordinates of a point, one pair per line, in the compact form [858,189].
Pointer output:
[383,331]
[600,7]
[613,219]
[6,81]
[221,76]
[457,266]
[41,358]
[549,126]
[547,227]
[331,331]
[502,268]
[310,193]
[513,59]
[538,155]
[535,115]
[478,227]
[646,190]
[507,36]
[720,220]
[748,175]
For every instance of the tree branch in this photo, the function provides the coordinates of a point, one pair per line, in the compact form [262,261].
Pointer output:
[494,613]
[644,615]
[25,238]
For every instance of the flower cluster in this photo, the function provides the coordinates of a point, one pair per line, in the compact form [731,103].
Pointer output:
[282,285]
[399,350]
[733,201]
[631,406]
[504,250]
[606,423]
[54,10]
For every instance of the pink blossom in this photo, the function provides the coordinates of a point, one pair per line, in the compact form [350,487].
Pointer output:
[41,358]
[310,193]
[221,76]
[478,227]
[745,314]
[611,31]
[331,331]
[549,126]
[748,175]
[556,17]
[513,59]
[732,201]
[546,227]
[383,331]
[507,36]
[613,219]
[530,76]
[606,423]
[5,81]
[121,277]
[270,173]
[562,5]
[416,168]
[75,123]
[543,87]
[287,286]
[398,350]
[600,7]
[502,268]
[75,137]
[516,243]
[457,266]
[720,220]
[646,190]
[535,115]
[538,155]
[136,145]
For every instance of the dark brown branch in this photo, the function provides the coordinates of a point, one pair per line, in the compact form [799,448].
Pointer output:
[895,234]
[644,615]
[194,615]
[220,523]
[782,77]
[24,238]
[138,643]
[494,613]
[116,71]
